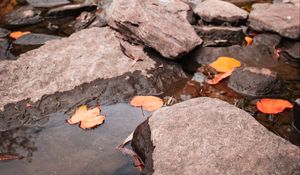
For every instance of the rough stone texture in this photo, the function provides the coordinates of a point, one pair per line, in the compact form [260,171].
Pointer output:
[257,82]
[294,52]
[4,32]
[161,25]
[60,65]
[210,136]
[70,10]
[25,15]
[219,35]
[280,18]
[267,39]
[217,11]
[35,39]
[47,3]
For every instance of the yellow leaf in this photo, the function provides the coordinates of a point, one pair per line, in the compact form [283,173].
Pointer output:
[18,34]
[225,64]
[149,103]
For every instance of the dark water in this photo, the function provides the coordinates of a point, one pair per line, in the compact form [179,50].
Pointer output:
[55,147]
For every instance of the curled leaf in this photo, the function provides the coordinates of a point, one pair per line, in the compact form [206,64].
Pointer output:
[248,40]
[220,77]
[225,64]
[18,34]
[273,106]
[149,103]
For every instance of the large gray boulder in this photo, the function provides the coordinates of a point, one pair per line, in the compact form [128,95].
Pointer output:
[281,18]
[210,136]
[90,64]
[161,25]
[217,11]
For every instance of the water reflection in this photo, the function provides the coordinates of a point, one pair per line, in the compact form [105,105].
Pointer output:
[58,148]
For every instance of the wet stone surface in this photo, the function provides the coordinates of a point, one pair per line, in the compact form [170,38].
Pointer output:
[47,3]
[70,10]
[25,15]
[34,39]
[5,50]
[4,32]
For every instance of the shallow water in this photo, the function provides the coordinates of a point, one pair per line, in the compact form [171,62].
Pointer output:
[55,147]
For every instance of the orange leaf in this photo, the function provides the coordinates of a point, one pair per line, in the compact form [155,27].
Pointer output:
[149,103]
[225,64]
[79,115]
[87,118]
[18,34]
[248,40]
[273,106]
[91,122]
[220,77]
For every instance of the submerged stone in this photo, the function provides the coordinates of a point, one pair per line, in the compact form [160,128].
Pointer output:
[25,15]
[34,39]
[4,33]
[5,50]
[212,137]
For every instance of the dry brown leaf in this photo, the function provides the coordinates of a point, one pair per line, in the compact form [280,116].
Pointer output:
[6,157]
[18,34]
[219,77]
[249,40]
[149,103]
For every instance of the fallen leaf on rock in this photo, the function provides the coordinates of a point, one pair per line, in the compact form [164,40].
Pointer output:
[87,118]
[149,103]
[6,157]
[18,34]
[248,40]
[220,77]
[272,106]
[225,64]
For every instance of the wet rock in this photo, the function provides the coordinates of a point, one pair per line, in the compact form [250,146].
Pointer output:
[5,50]
[217,11]
[219,35]
[82,68]
[280,18]
[34,39]
[47,3]
[70,10]
[100,20]
[25,15]
[206,141]
[267,39]
[4,33]
[252,81]
[253,55]
[84,20]
[294,52]
[168,31]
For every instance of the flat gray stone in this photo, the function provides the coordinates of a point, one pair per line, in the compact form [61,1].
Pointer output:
[4,32]
[217,11]
[47,3]
[25,15]
[210,136]
[281,18]
[61,65]
[35,39]
[161,25]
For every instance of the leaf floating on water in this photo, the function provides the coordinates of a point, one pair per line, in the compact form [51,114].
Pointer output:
[249,40]
[219,77]
[92,122]
[87,118]
[78,116]
[18,34]
[225,64]
[6,157]
[149,103]
[273,106]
